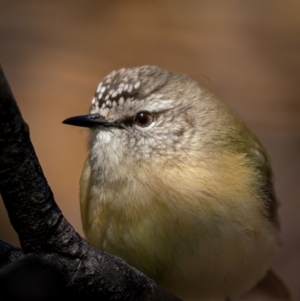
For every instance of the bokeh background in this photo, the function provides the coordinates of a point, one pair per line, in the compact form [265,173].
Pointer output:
[55,52]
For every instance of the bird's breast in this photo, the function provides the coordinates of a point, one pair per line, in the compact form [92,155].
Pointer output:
[181,230]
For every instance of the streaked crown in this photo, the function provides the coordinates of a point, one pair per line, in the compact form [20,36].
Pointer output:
[128,85]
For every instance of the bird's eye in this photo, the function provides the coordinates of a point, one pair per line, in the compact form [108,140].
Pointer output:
[143,118]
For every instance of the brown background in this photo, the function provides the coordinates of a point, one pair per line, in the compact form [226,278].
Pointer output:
[54,53]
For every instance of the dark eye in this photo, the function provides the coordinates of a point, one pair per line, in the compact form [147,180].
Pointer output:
[143,118]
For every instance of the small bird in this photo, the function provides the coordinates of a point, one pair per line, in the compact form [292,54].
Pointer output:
[176,185]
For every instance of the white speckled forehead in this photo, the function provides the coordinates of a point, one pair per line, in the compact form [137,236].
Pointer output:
[127,85]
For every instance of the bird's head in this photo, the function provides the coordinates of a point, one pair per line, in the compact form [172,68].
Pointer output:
[147,112]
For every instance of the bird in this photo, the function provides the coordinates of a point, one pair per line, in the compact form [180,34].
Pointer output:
[176,185]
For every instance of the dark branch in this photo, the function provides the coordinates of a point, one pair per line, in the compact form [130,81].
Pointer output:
[52,249]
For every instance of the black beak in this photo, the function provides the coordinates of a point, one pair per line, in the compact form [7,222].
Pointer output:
[89,121]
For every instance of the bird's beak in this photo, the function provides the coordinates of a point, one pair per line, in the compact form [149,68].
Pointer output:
[89,121]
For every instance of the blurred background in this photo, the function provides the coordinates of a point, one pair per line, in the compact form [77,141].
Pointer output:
[54,54]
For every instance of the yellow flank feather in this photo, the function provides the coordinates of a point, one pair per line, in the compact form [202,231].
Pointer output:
[178,226]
